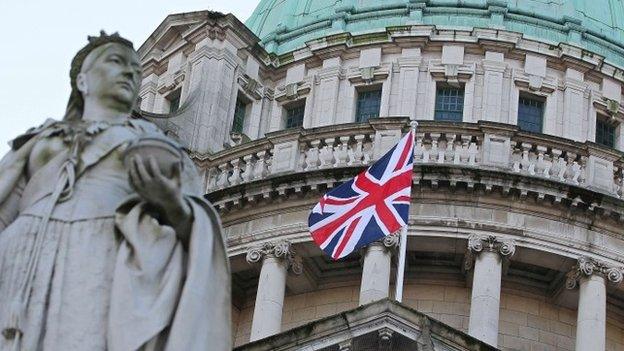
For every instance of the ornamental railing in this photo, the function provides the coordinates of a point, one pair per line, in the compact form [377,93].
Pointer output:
[485,145]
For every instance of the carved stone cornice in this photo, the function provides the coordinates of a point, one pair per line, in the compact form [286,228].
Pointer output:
[280,249]
[251,86]
[368,75]
[586,267]
[171,81]
[293,91]
[534,83]
[479,243]
[451,73]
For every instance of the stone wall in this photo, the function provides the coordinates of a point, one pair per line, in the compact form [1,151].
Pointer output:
[527,321]
[221,70]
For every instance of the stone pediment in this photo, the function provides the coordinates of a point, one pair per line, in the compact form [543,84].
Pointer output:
[190,28]
[172,31]
[381,325]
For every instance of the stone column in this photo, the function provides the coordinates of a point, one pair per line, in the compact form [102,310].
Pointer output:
[327,100]
[409,71]
[276,259]
[494,68]
[591,276]
[574,124]
[486,253]
[376,269]
[213,70]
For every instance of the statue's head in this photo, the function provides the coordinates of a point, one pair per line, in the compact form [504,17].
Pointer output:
[106,71]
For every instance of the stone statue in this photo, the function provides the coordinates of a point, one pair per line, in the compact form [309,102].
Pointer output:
[105,240]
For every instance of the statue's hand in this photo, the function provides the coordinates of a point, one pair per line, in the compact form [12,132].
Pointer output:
[162,192]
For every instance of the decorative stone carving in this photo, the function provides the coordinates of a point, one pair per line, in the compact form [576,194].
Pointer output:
[280,249]
[391,241]
[293,91]
[251,86]
[587,266]
[345,346]
[385,334]
[478,243]
[216,32]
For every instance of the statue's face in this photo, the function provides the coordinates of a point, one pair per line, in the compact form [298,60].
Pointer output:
[114,78]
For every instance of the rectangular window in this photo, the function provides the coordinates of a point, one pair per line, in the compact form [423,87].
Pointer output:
[294,116]
[605,131]
[174,100]
[530,114]
[239,115]
[449,105]
[368,103]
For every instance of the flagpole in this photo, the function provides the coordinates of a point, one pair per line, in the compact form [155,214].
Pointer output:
[398,294]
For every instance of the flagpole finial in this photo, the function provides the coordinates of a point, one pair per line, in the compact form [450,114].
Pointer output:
[413,124]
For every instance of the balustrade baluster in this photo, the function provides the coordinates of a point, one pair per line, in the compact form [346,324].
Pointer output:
[542,165]
[260,167]
[224,174]
[419,148]
[367,149]
[235,176]
[527,165]
[473,153]
[312,155]
[211,178]
[341,152]
[355,152]
[248,171]
[301,163]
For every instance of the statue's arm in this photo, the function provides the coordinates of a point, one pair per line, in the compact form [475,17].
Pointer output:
[13,177]
[12,183]
[164,194]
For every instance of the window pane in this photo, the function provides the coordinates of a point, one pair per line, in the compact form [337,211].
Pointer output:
[530,114]
[239,116]
[174,101]
[368,103]
[449,104]
[294,116]
[605,132]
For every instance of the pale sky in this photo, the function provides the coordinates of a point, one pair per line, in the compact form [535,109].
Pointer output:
[38,39]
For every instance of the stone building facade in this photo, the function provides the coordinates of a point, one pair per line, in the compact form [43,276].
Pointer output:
[516,222]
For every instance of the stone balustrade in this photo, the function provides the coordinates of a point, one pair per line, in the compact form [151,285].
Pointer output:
[483,145]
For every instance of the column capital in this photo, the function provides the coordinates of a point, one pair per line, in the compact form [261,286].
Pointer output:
[388,242]
[391,241]
[587,266]
[479,243]
[279,249]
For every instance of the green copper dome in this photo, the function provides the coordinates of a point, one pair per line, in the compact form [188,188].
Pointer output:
[597,25]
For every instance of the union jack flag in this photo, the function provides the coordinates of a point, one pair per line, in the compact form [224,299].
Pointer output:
[368,207]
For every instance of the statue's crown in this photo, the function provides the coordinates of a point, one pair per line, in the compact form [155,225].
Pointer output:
[94,42]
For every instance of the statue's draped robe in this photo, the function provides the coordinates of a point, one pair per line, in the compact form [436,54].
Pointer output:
[109,276]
